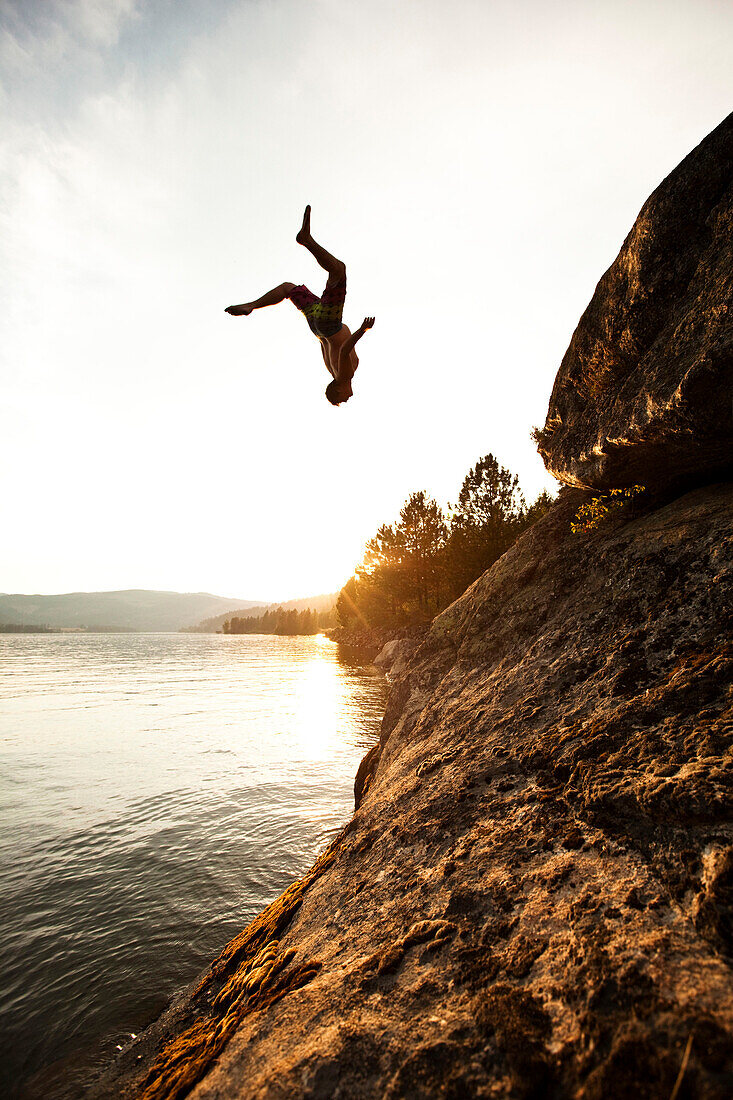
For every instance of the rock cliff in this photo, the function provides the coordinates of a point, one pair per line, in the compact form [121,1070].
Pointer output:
[534,897]
[645,391]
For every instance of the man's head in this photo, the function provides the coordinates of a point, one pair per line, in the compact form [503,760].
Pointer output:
[335,393]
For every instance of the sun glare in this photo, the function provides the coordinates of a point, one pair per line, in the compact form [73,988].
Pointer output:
[321,713]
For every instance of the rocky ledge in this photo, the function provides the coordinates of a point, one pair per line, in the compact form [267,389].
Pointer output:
[534,897]
[644,393]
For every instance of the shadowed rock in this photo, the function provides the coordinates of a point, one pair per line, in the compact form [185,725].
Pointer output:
[644,393]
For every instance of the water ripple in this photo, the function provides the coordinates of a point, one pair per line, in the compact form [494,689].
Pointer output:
[131,847]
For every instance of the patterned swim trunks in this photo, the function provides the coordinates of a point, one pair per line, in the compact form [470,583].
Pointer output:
[322,314]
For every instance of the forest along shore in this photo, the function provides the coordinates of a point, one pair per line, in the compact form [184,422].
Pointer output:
[535,894]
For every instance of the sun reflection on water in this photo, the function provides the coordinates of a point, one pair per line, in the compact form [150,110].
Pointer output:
[159,791]
[322,717]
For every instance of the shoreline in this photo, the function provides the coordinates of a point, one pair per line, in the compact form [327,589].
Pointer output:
[134,1068]
[372,642]
[126,1071]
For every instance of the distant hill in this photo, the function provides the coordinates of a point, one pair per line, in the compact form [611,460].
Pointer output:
[315,603]
[132,609]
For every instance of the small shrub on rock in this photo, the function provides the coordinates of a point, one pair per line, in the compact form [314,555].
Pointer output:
[599,509]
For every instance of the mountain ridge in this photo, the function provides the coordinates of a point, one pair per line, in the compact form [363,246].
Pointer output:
[137,609]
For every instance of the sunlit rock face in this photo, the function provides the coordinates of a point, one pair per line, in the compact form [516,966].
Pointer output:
[644,393]
[534,897]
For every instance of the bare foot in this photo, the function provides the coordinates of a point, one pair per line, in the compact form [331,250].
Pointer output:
[239,311]
[304,232]
[368,322]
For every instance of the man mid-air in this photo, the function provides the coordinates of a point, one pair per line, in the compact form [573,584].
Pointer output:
[322,314]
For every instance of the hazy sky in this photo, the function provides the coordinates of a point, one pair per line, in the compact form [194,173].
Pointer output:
[476,163]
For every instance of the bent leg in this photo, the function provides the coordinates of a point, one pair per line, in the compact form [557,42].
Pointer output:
[336,268]
[272,298]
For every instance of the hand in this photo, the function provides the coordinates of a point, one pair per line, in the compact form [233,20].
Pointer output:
[368,322]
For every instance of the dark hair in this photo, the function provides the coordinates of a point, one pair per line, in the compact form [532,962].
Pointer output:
[333,394]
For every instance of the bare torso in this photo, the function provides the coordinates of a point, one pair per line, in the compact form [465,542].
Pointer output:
[330,348]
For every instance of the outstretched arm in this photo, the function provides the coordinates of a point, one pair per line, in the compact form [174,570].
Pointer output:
[348,345]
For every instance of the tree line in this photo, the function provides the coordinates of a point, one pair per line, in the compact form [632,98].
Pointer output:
[25,628]
[278,621]
[415,567]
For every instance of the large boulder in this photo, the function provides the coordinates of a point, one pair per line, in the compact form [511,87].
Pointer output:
[644,393]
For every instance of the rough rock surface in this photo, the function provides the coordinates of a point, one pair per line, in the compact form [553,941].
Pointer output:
[645,390]
[396,654]
[534,898]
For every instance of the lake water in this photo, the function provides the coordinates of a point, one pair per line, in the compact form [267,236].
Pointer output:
[156,791]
